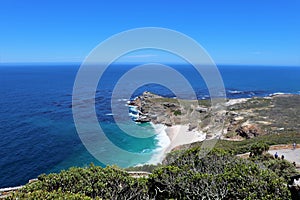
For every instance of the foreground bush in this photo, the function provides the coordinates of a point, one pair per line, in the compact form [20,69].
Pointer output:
[283,168]
[41,194]
[218,175]
[107,183]
[185,175]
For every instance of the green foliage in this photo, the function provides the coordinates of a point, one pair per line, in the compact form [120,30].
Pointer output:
[199,160]
[45,195]
[191,174]
[282,168]
[183,183]
[107,183]
[177,112]
[249,181]
[216,175]
[259,148]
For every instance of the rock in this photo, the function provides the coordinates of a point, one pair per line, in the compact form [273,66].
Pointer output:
[239,118]
[248,131]
[170,105]
[142,120]
[232,113]
[230,127]
[192,127]
[201,109]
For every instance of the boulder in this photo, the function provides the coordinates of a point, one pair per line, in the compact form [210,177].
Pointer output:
[248,131]
[201,109]
[192,126]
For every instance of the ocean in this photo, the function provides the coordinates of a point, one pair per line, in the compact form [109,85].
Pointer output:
[37,130]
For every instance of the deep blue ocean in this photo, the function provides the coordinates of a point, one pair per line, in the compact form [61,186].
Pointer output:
[37,130]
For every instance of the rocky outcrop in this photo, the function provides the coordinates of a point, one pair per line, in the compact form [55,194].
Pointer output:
[248,131]
[169,111]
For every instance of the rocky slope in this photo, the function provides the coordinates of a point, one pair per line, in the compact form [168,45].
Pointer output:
[243,118]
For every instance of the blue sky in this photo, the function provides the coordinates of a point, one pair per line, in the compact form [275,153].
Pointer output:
[260,32]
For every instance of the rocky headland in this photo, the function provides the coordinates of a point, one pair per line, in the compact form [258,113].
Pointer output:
[242,118]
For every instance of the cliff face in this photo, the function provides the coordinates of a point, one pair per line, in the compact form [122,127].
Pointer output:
[244,118]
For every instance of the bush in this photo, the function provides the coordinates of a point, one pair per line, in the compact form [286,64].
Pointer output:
[282,168]
[45,195]
[215,176]
[107,183]
[186,175]
[259,148]
[177,112]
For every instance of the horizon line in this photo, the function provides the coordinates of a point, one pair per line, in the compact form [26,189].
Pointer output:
[130,63]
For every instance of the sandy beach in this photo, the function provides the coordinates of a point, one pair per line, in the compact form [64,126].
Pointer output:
[180,135]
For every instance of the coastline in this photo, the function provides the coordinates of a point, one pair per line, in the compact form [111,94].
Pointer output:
[171,137]
[181,135]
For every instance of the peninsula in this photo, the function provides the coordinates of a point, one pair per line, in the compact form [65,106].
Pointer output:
[242,119]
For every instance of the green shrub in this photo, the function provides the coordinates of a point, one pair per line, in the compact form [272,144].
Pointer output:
[218,175]
[45,195]
[259,148]
[177,112]
[190,174]
[107,183]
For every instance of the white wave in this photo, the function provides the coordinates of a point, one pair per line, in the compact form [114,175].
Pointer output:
[133,109]
[147,151]
[123,100]
[133,115]
[205,97]
[109,114]
[133,112]
[163,142]
[278,93]
[235,91]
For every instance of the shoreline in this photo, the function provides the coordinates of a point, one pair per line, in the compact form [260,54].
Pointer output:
[171,137]
[181,135]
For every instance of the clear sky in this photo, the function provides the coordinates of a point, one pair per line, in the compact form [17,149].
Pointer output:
[258,32]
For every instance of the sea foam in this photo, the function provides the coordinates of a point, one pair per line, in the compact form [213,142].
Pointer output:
[163,141]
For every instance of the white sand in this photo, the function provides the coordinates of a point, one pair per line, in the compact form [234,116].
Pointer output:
[180,135]
[171,137]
